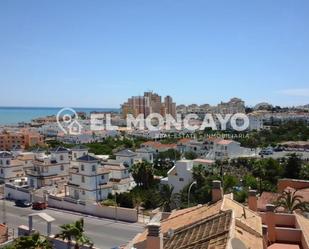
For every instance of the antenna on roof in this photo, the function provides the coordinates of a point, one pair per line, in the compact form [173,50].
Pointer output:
[244,214]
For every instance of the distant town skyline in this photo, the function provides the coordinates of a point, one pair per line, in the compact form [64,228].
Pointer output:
[98,53]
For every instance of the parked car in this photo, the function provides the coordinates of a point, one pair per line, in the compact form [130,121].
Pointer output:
[278,148]
[266,152]
[22,203]
[39,205]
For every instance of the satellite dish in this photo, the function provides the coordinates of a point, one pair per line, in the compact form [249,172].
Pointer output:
[170,233]
[237,244]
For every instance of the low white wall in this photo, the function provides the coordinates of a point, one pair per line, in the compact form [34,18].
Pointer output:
[119,213]
[16,193]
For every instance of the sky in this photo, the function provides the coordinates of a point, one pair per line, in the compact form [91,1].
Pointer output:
[99,53]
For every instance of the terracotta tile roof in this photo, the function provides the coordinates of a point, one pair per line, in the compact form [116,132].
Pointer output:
[211,232]
[184,140]
[250,220]
[184,217]
[201,160]
[248,226]
[158,145]
[225,142]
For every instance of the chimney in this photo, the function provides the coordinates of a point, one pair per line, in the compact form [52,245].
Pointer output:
[252,200]
[216,192]
[154,236]
[270,222]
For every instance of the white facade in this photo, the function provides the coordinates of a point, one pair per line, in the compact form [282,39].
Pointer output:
[50,169]
[180,175]
[89,180]
[120,178]
[126,157]
[144,154]
[11,169]
[79,151]
[219,149]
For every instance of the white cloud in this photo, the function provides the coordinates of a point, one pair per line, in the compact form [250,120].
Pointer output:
[297,92]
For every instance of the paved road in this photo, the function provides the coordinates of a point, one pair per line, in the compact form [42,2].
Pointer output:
[104,233]
[305,155]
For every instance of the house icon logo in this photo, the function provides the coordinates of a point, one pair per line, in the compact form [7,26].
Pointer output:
[67,120]
[75,128]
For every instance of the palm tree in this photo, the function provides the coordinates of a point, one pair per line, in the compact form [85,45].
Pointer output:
[143,174]
[290,201]
[74,231]
[168,199]
[34,241]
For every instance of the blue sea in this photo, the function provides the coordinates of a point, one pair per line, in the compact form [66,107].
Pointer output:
[15,115]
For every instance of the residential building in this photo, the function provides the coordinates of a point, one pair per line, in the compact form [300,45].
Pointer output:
[235,105]
[223,149]
[191,145]
[78,151]
[119,177]
[207,164]
[126,157]
[11,169]
[50,169]
[281,230]
[144,154]
[129,157]
[23,138]
[88,180]
[148,103]
[223,223]
[157,147]
[179,176]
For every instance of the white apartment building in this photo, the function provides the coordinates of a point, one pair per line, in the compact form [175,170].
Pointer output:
[179,176]
[126,157]
[207,164]
[144,154]
[89,180]
[50,169]
[78,151]
[119,177]
[129,157]
[11,169]
[220,149]
[190,145]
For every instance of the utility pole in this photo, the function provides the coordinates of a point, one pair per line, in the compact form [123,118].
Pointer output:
[3,211]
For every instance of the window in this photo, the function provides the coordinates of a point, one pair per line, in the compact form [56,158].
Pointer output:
[102,177]
[61,157]
[61,168]
[83,192]
[93,168]
[0,162]
[181,179]
[82,167]
[1,171]
[83,178]
[75,155]
[8,162]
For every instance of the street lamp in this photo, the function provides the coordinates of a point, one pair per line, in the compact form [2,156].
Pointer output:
[193,183]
